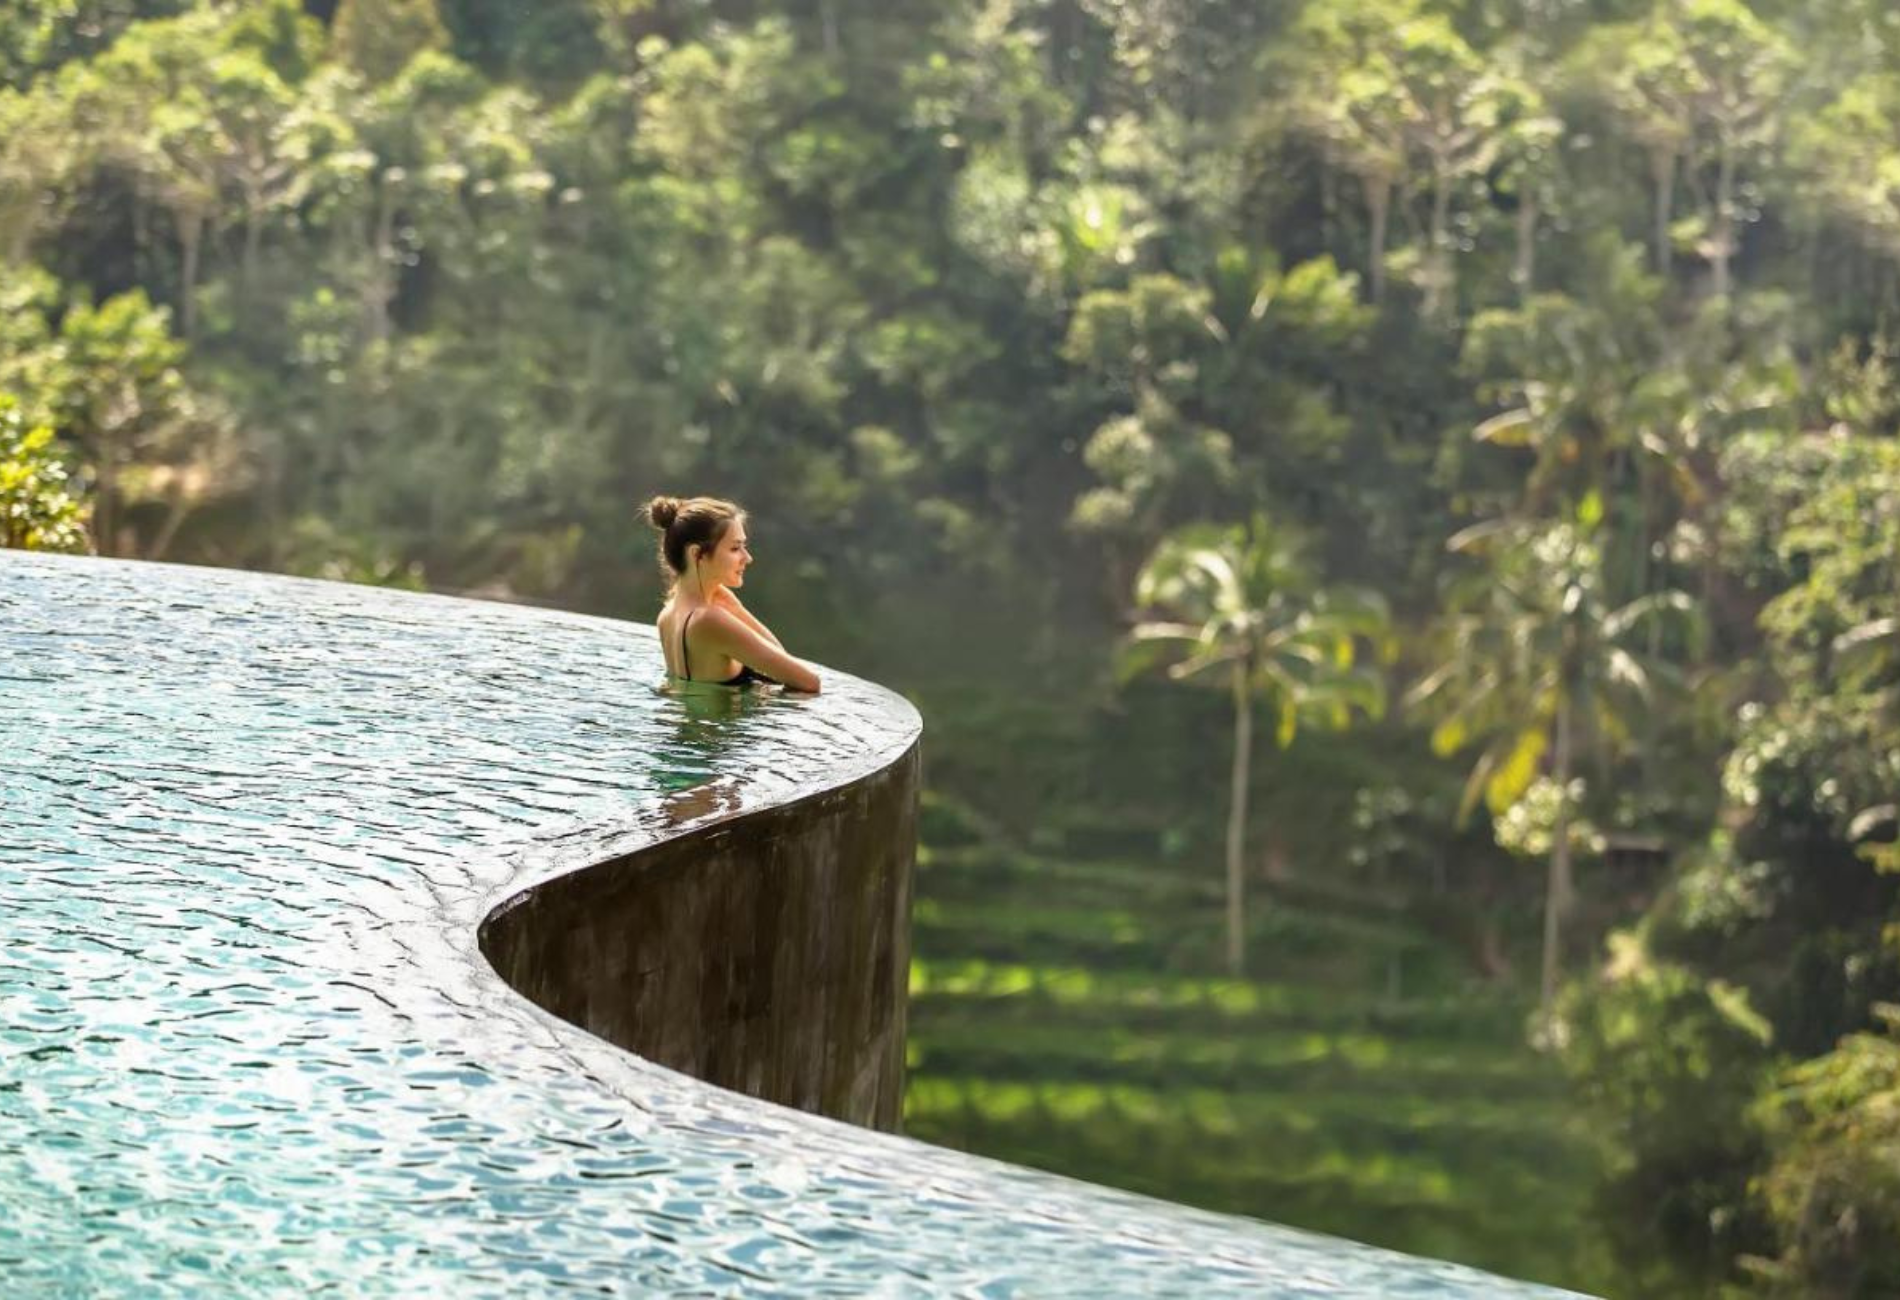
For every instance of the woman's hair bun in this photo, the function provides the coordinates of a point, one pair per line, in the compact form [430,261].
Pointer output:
[683,524]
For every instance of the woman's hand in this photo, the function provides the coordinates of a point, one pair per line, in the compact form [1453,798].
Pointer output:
[731,633]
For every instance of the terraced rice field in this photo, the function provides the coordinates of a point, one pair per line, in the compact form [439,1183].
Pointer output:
[1065,1015]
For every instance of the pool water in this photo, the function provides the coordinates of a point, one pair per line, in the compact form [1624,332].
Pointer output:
[248,828]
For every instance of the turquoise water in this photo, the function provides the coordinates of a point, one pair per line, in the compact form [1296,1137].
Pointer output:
[248,827]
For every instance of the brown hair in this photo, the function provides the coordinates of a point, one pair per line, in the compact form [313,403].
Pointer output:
[695,521]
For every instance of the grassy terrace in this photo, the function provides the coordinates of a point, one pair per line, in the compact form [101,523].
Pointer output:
[1064,1016]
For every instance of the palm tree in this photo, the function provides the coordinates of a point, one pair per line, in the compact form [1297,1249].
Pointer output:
[1237,607]
[1535,667]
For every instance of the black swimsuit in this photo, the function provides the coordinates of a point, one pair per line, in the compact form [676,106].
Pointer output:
[745,676]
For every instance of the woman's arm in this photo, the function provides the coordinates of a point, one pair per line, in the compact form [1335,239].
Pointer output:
[722,630]
[728,599]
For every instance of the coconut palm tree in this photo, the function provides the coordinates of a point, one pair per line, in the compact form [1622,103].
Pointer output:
[1238,608]
[1536,665]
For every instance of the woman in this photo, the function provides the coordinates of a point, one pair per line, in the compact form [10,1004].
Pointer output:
[706,635]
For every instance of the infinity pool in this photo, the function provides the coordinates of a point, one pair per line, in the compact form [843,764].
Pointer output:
[248,829]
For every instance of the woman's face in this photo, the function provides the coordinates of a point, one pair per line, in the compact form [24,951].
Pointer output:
[727,562]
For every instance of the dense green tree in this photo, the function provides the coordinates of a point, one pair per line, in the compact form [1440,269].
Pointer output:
[1582,388]
[1833,1184]
[1835,639]
[106,379]
[38,156]
[1211,389]
[38,36]
[379,38]
[1396,92]
[38,512]
[1669,1065]
[1346,94]
[1527,139]
[1697,84]
[552,41]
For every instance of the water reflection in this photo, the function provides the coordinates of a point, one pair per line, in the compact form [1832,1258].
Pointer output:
[704,734]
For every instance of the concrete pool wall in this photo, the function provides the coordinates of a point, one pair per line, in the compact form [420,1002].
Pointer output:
[768,954]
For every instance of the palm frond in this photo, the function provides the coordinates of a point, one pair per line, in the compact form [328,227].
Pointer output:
[1857,640]
[1202,660]
[1511,429]
[1473,539]
[1475,784]
[1869,820]
[1165,631]
[1618,622]
[1138,658]
[1427,688]
[1622,668]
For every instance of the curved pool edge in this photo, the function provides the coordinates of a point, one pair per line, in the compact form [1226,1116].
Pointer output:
[763,949]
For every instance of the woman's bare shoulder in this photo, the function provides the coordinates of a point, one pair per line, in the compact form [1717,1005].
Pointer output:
[717,620]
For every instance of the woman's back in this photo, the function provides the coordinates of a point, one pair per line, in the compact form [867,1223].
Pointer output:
[701,663]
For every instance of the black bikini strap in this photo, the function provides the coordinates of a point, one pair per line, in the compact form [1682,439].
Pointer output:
[686,663]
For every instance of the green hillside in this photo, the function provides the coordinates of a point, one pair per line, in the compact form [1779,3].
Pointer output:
[1063,1016]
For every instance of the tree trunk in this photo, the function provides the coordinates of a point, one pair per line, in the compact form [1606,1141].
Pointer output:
[1662,170]
[174,517]
[1722,241]
[1438,293]
[828,27]
[141,235]
[380,293]
[1492,962]
[1328,203]
[1237,816]
[1525,271]
[105,514]
[253,238]
[274,491]
[1379,202]
[191,229]
[1557,889]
